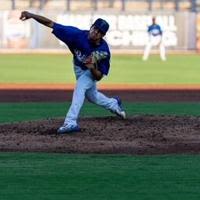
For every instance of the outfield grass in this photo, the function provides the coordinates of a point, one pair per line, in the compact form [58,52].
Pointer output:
[178,69]
[13,112]
[95,177]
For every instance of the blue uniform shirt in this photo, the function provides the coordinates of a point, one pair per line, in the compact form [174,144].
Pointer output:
[154,30]
[80,46]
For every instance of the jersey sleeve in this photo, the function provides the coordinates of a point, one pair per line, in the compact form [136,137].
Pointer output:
[160,30]
[149,29]
[104,66]
[66,34]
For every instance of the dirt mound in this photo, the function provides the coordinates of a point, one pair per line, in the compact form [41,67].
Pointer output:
[135,135]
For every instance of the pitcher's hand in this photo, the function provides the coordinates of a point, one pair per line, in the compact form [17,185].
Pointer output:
[25,15]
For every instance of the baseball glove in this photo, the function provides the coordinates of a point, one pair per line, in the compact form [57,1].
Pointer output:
[96,57]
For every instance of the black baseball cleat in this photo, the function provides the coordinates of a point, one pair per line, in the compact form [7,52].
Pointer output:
[120,111]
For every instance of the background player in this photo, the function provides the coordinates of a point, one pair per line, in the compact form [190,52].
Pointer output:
[155,39]
[91,59]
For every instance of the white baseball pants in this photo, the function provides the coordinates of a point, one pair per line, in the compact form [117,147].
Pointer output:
[86,87]
[155,41]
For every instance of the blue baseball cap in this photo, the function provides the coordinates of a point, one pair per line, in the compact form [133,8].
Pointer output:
[102,25]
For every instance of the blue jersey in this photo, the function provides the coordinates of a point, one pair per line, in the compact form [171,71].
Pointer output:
[81,47]
[154,30]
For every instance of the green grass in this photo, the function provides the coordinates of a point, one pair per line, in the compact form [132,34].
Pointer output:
[36,69]
[96,177]
[13,112]
[178,69]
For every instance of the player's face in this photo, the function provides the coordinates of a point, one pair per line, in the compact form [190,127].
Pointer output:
[95,34]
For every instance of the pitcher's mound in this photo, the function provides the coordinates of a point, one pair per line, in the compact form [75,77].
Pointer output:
[135,135]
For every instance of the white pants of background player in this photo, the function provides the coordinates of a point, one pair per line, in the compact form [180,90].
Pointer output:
[155,41]
[86,87]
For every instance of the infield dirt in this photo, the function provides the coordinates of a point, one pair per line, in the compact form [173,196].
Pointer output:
[135,135]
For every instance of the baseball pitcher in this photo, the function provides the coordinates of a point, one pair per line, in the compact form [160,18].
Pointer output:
[91,61]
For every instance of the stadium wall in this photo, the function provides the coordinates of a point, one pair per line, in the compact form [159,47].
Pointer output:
[128,31]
